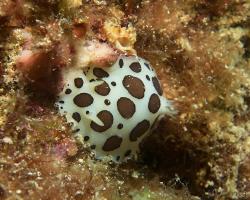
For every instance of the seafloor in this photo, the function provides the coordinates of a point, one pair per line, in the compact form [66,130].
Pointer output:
[201,52]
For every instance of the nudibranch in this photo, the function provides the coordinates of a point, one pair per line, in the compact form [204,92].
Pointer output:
[114,108]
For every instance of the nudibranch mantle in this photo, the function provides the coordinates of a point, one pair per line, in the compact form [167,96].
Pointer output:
[114,108]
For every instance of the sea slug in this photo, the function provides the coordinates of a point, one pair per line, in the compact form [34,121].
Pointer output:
[114,108]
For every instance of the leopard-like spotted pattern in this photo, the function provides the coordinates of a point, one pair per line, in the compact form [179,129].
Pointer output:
[113,108]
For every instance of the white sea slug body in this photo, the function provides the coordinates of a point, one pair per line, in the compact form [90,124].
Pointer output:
[113,108]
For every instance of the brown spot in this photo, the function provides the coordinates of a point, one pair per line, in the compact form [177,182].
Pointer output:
[140,129]
[136,67]
[76,116]
[121,63]
[112,143]
[157,85]
[134,86]
[83,99]
[102,89]
[68,91]
[78,82]
[86,138]
[120,126]
[107,102]
[106,117]
[100,73]
[76,130]
[147,65]
[154,103]
[126,107]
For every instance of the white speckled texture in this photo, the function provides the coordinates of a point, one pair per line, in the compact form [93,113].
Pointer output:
[129,116]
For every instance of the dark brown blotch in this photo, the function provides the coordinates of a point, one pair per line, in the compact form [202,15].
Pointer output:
[78,82]
[106,117]
[154,103]
[112,143]
[126,107]
[102,89]
[100,73]
[76,116]
[120,126]
[135,67]
[134,86]
[76,130]
[121,63]
[83,99]
[86,138]
[157,85]
[139,130]
[107,102]
[68,91]
[147,65]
